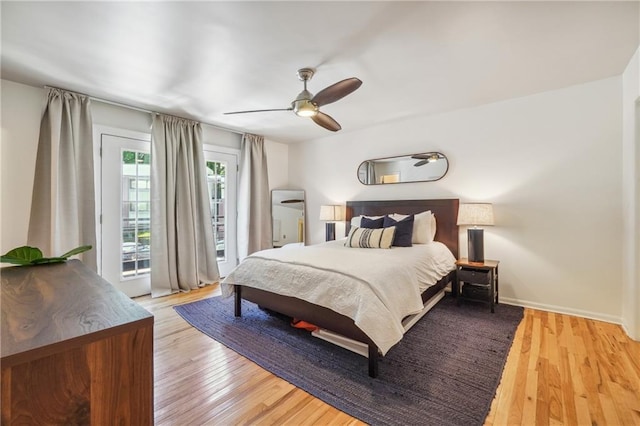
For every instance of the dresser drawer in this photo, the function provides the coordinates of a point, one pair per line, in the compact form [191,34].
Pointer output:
[474,276]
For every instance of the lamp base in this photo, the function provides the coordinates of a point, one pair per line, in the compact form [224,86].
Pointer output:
[331,231]
[475,240]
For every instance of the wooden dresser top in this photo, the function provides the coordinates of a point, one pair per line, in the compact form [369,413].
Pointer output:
[49,308]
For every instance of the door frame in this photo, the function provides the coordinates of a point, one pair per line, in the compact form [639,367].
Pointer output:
[236,153]
[98,131]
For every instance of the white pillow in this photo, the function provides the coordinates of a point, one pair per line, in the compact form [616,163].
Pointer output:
[433,227]
[424,226]
[355,221]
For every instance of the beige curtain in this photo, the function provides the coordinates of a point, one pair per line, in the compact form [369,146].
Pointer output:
[63,201]
[183,255]
[254,201]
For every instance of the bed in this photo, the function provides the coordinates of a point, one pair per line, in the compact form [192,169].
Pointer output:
[257,280]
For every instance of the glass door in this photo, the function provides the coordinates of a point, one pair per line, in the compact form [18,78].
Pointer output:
[222,171]
[125,217]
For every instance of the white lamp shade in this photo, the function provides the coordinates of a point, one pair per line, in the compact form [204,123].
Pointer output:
[332,213]
[475,214]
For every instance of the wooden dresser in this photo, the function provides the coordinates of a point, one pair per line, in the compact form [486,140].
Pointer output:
[75,350]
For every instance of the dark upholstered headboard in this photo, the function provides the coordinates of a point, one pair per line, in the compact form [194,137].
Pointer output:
[446,212]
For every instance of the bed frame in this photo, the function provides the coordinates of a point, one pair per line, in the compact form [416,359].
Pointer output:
[446,212]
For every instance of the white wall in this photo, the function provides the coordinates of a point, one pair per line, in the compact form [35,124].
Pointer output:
[278,164]
[22,108]
[631,197]
[550,163]
[140,121]
[558,230]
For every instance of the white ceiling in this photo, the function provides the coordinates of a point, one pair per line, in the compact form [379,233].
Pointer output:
[200,59]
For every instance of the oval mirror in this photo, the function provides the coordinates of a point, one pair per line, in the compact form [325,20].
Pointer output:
[423,167]
[287,214]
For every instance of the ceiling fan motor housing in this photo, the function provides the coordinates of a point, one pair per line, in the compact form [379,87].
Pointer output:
[302,105]
[304,108]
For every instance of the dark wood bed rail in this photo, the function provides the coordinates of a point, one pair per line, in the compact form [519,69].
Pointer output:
[321,316]
[314,314]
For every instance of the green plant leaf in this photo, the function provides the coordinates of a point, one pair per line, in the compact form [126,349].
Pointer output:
[75,251]
[24,255]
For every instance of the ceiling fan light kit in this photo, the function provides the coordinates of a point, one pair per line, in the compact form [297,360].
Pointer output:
[304,108]
[307,105]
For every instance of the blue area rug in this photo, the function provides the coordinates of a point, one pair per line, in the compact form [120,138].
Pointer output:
[444,372]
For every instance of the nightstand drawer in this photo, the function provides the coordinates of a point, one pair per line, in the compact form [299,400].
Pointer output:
[476,292]
[474,276]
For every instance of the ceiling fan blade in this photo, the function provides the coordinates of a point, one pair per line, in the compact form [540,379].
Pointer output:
[420,163]
[336,91]
[420,156]
[326,121]
[258,110]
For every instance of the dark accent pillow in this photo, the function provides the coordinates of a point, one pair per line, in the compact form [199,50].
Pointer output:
[365,222]
[404,230]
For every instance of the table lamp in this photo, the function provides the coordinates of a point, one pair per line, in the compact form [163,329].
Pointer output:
[331,214]
[475,214]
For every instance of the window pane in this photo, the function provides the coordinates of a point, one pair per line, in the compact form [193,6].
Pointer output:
[216,172]
[136,235]
[144,158]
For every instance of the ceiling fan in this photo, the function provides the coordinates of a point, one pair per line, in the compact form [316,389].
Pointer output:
[429,157]
[307,105]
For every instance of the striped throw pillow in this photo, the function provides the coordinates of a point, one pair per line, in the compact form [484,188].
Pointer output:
[370,238]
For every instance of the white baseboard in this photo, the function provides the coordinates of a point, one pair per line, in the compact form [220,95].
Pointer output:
[563,310]
[626,330]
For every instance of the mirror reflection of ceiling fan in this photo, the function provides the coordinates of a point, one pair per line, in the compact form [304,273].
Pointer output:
[308,105]
[429,157]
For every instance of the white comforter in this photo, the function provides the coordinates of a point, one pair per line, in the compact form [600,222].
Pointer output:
[376,288]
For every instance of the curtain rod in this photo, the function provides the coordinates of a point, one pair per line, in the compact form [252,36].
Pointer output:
[118,104]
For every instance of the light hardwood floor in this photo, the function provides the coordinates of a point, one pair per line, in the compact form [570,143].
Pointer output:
[561,370]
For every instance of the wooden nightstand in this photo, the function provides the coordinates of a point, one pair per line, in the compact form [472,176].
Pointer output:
[477,281]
